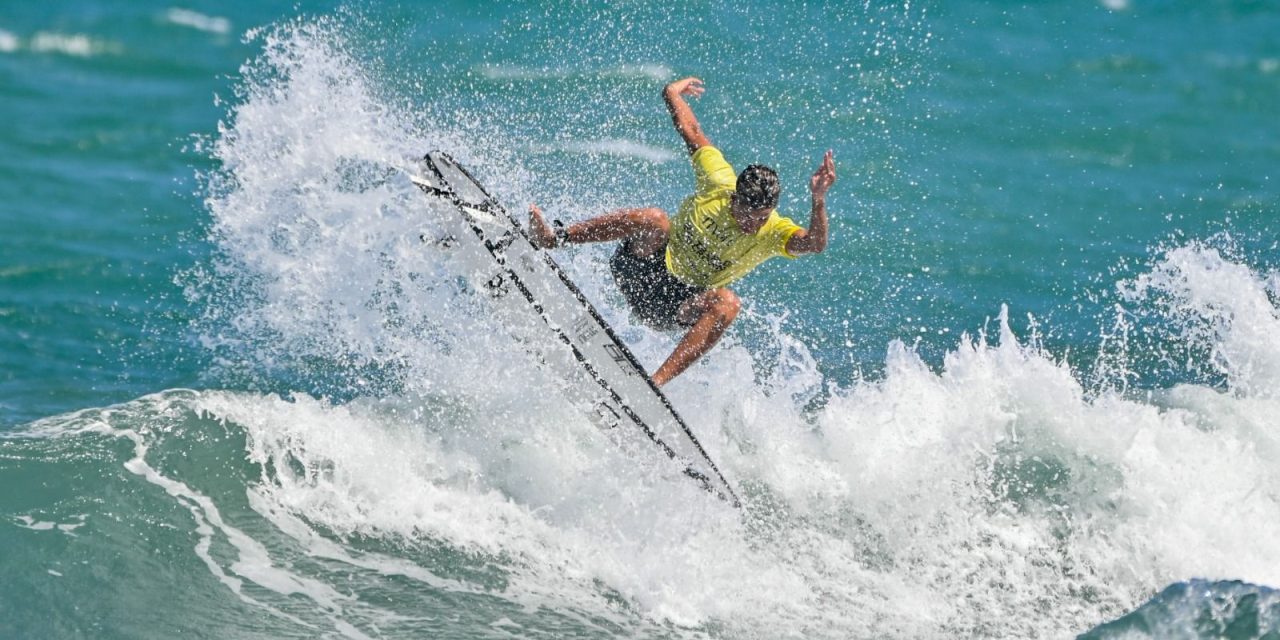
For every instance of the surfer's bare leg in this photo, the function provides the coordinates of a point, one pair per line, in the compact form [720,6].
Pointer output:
[711,312]
[645,227]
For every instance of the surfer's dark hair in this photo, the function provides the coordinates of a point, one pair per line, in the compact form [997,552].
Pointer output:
[758,187]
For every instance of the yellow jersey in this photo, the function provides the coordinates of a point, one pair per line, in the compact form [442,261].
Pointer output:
[705,247]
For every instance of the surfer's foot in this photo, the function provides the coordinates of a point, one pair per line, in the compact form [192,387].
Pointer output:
[539,232]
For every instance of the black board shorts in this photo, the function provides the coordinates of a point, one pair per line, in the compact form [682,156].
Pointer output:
[653,293]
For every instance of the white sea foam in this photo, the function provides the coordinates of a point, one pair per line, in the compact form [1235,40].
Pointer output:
[200,21]
[925,503]
[1222,306]
[996,495]
[28,522]
[9,42]
[76,44]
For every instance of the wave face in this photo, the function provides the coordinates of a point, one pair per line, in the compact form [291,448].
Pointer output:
[371,456]
[1199,609]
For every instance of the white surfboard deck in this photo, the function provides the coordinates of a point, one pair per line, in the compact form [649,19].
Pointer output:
[548,315]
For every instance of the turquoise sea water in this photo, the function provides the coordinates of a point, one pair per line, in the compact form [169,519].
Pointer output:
[1029,391]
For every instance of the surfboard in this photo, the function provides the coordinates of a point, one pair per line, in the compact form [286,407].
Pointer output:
[547,314]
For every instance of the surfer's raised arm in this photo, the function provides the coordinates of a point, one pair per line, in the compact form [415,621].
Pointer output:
[814,239]
[686,123]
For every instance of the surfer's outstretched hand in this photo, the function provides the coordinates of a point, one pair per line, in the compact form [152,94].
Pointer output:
[824,177]
[541,234]
[691,87]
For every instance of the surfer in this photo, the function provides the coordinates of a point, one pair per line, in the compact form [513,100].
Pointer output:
[675,271]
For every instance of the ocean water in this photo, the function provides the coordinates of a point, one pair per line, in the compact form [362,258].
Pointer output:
[1030,390]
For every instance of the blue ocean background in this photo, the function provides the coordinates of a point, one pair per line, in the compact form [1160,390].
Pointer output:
[1030,390]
